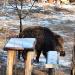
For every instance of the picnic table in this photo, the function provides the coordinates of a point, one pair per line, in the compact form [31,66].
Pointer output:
[16,44]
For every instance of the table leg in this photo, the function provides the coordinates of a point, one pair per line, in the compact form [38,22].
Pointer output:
[51,1]
[28,66]
[73,71]
[10,61]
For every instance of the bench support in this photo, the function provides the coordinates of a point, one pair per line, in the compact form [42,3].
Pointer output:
[10,61]
[28,65]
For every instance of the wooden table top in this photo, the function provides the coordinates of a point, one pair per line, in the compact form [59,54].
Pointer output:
[20,44]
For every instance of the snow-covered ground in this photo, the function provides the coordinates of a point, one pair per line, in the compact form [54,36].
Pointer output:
[48,15]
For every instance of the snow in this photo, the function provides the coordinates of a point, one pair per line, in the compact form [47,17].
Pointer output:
[56,21]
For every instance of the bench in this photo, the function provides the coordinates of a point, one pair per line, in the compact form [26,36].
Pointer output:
[16,44]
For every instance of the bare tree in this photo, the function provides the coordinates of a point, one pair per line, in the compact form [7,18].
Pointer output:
[20,11]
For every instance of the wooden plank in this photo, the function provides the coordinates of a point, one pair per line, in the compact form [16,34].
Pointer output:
[10,61]
[50,66]
[28,66]
[73,58]
[73,71]
[20,43]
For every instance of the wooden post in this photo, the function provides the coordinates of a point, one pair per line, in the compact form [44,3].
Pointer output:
[28,66]
[73,71]
[10,61]
[50,1]
[51,71]
[73,59]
